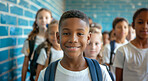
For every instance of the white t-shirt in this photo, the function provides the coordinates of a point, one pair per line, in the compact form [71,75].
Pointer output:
[25,49]
[56,54]
[133,61]
[107,52]
[63,74]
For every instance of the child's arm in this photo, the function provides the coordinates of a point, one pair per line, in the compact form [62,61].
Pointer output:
[25,67]
[119,74]
[39,68]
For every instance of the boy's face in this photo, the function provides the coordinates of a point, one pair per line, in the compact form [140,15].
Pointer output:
[94,46]
[73,37]
[141,25]
[121,30]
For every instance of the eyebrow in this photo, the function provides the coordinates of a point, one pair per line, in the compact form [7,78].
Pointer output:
[140,19]
[69,29]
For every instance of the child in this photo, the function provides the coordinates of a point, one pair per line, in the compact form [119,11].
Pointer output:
[112,35]
[73,37]
[93,48]
[105,36]
[54,53]
[120,28]
[37,35]
[131,33]
[131,60]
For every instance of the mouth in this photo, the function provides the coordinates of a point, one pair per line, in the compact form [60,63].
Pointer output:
[144,32]
[72,48]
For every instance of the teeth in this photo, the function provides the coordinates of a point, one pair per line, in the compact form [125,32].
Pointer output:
[71,47]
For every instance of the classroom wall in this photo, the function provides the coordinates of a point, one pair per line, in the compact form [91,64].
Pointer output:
[104,11]
[16,20]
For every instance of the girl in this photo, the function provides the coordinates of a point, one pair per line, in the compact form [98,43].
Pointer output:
[54,51]
[93,48]
[43,17]
[131,59]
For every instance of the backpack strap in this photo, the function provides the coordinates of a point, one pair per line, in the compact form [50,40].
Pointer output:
[112,47]
[50,71]
[31,47]
[95,69]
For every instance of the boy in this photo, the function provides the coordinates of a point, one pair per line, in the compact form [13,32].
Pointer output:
[120,28]
[73,37]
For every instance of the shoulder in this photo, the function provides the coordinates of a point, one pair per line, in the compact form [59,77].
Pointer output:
[124,47]
[105,74]
[103,68]
[107,47]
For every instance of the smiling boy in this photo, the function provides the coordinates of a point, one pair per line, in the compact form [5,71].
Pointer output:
[73,37]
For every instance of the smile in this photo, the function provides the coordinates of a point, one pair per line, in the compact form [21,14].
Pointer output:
[72,48]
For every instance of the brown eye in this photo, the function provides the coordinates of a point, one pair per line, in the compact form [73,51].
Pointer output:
[80,34]
[66,33]
[140,22]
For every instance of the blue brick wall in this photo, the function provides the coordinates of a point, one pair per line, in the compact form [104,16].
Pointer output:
[104,11]
[16,20]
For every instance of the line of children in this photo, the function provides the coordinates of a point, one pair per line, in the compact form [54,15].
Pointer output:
[120,28]
[54,53]
[131,60]
[43,17]
[73,37]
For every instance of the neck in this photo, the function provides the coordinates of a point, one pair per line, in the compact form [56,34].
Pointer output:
[140,43]
[92,57]
[57,47]
[120,40]
[41,34]
[74,64]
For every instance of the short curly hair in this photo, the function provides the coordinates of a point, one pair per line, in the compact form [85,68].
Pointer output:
[73,14]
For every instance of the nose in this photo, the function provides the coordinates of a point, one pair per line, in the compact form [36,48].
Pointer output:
[44,19]
[73,38]
[145,25]
[93,46]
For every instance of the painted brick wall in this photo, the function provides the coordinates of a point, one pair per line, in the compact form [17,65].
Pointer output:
[16,20]
[104,11]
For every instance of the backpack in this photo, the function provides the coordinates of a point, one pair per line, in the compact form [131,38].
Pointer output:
[94,68]
[33,63]
[112,46]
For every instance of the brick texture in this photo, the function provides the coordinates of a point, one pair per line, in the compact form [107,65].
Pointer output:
[16,20]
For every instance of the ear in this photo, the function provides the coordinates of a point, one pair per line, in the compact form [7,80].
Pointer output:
[88,38]
[58,37]
[133,25]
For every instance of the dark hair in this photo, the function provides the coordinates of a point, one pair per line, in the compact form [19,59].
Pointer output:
[138,12]
[117,20]
[105,32]
[35,30]
[73,14]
